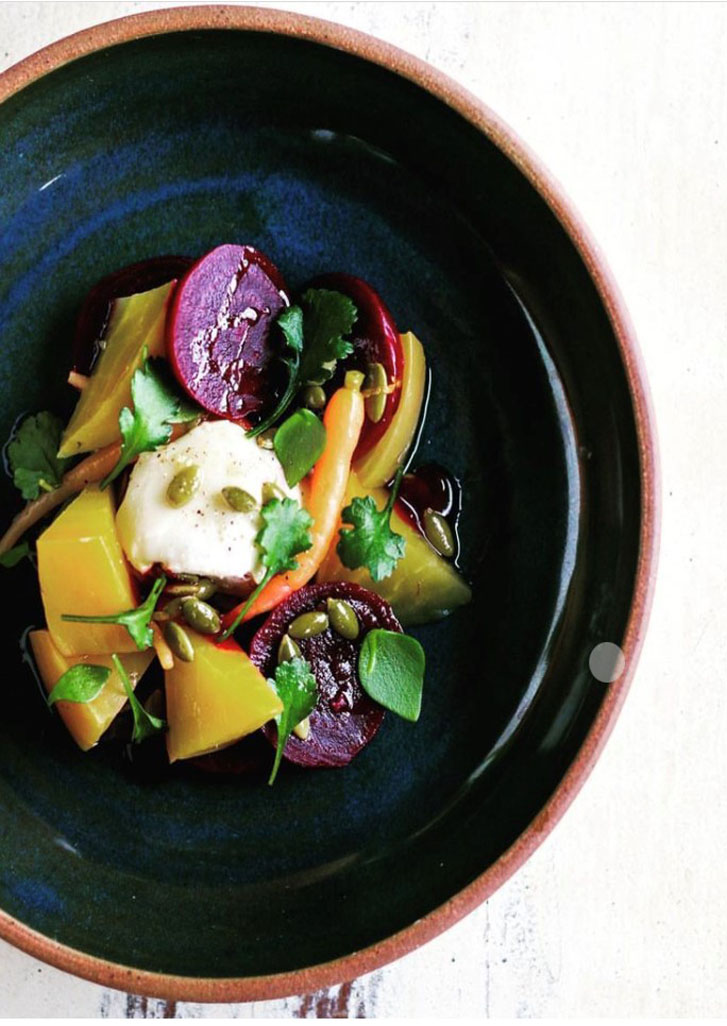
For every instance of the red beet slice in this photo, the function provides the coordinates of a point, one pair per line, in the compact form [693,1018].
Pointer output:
[375,339]
[95,312]
[221,335]
[345,719]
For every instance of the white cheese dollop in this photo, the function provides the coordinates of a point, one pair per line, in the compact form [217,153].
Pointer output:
[204,536]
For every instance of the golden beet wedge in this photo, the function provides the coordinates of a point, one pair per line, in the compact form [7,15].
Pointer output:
[87,721]
[423,587]
[216,699]
[137,322]
[82,571]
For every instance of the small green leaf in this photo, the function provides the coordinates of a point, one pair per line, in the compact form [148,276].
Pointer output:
[136,621]
[370,542]
[13,556]
[297,689]
[327,317]
[299,443]
[144,723]
[32,454]
[391,671]
[80,683]
[291,323]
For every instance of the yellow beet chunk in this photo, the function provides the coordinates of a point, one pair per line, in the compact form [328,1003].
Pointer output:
[381,463]
[216,699]
[423,587]
[82,571]
[136,322]
[87,721]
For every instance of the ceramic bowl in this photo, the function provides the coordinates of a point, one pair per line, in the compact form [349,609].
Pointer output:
[173,131]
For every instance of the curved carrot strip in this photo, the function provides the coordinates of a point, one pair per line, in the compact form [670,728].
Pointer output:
[343,421]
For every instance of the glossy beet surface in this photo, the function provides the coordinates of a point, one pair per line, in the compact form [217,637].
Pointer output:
[429,486]
[96,308]
[344,719]
[375,339]
[221,331]
[318,157]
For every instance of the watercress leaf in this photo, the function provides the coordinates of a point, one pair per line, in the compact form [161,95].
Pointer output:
[13,556]
[136,621]
[327,317]
[369,541]
[299,443]
[32,454]
[80,683]
[285,533]
[391,671]
[297,690]
[157,405]
[291,324]
[144,723]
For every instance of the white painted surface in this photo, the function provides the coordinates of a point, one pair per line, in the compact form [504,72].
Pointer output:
[622,911]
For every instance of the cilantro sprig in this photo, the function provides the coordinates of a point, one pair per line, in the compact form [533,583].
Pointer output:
[369,541]
[315,339]
[33,455]
[157,405]
[285,534]
[144,723]
[136,621]
[297,689]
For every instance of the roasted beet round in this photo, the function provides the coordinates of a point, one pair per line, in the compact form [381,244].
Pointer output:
[375,340]
[221,331]
[345,719]
[96,309]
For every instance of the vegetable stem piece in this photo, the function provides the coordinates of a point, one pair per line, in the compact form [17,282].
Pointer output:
[136,621]
[144,723]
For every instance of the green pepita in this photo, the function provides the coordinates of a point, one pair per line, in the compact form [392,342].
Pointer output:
[265,440]
[287,649]
[308,625]
[179,642]
[377,381]
[238,499]
[183,486]
[313,397]
[272,491]
[439,533]
[201,616]
[343,618]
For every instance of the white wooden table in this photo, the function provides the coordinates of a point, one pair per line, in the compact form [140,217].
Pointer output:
[622,911]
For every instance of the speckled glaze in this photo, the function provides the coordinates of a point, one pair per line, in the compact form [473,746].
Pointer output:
[180,129]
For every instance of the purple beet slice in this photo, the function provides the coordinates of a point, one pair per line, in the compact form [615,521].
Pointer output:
[221,333]
[375,340]
[345,719]
[95,312]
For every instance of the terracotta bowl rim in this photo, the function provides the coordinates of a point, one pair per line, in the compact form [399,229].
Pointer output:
[438,84]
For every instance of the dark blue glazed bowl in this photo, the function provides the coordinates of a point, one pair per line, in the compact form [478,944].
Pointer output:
[176,131]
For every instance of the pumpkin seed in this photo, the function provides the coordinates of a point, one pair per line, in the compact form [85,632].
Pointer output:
[343,618]
[376,379]
[438,532]
[201,616]
[265,440]
[287,649]
[178,640]
[272,491]
[308,625]
[183,486]
[314,397]
[238,499]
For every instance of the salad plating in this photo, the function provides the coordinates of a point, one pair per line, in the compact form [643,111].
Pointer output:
[242,457]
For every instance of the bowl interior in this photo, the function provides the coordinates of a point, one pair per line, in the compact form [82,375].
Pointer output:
[173,144]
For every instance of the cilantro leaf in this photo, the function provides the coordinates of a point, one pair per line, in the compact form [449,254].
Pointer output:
[297,689]
[144,723]
[391,671]
[13,556]
[80,683]
[370,542]
[32,454]
[136,621]
[327,317]
[157,405]
[285,533]
[291,324]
